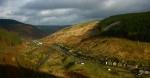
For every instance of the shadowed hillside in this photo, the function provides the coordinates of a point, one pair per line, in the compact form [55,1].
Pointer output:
[7,71]
[134,26]
[24,30]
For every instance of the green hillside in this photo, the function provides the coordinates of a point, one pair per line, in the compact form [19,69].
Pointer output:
[134,26]
[8,39]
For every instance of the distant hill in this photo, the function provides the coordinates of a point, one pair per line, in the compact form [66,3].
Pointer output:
[49,29]
[24,30]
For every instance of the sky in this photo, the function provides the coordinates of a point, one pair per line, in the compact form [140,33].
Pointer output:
[66,12]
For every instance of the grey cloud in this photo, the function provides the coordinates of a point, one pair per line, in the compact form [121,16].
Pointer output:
[101,7]
[24,12]
[55,4]
[2,2]
[70,11]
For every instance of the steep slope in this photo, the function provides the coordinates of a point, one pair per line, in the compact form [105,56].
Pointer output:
[134,26]
[73,34]
[24,30]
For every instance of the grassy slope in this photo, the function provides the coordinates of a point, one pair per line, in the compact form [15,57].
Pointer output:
[8,39]
[10,46]
[73,34]
[119,48]
[64,66]
[13,38]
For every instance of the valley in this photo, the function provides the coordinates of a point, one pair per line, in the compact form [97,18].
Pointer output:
[115,47]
